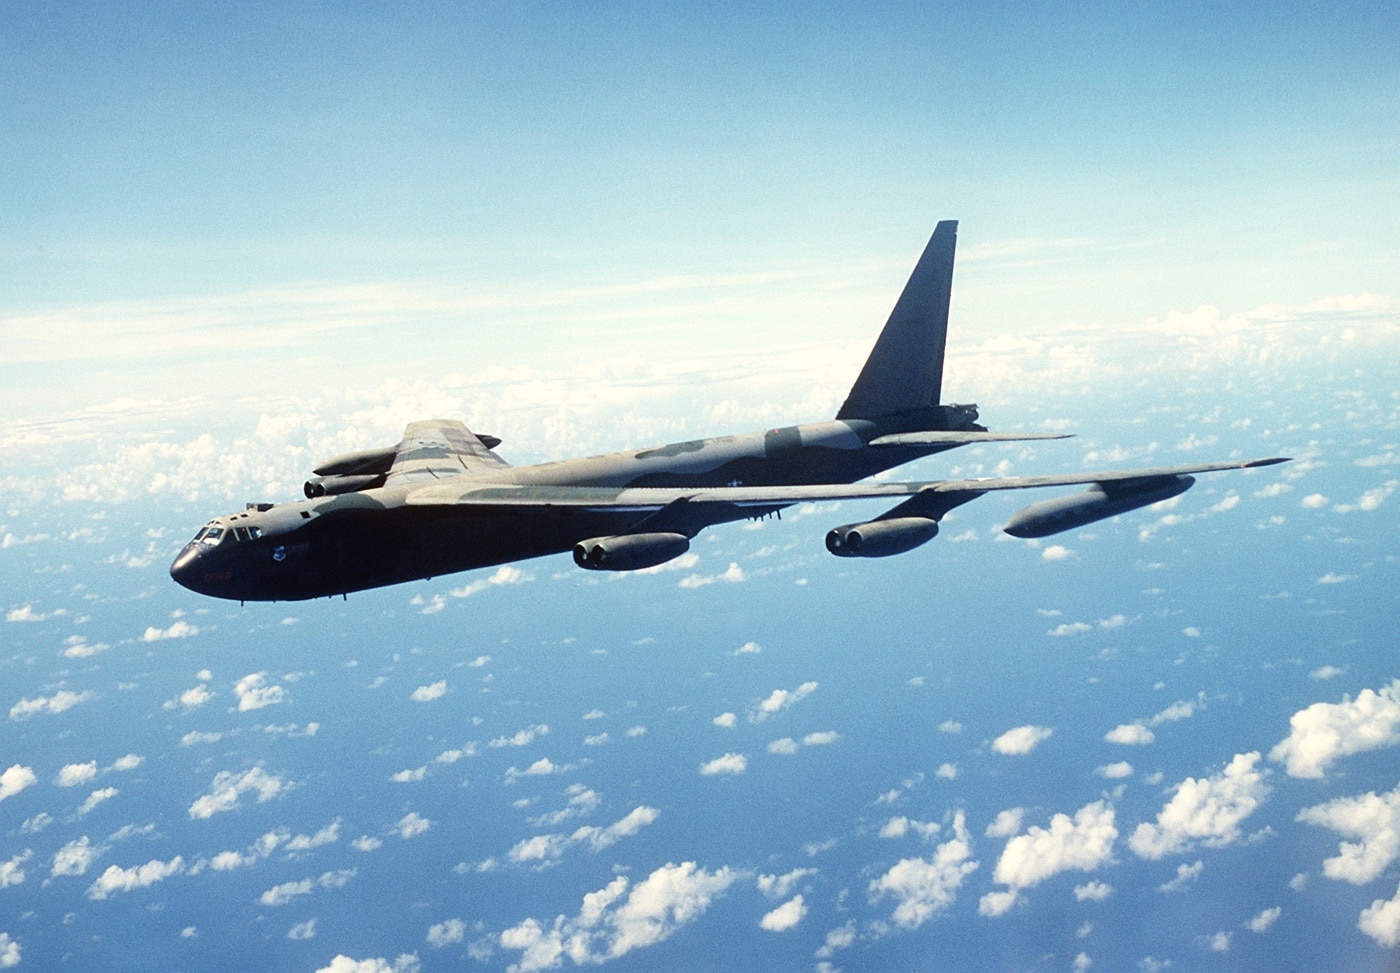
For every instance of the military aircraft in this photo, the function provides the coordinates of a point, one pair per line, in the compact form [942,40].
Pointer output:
[442,500]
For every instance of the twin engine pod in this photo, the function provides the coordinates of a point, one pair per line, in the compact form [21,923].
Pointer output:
[329,486]
[881,538]
[629,552]
[1100,501]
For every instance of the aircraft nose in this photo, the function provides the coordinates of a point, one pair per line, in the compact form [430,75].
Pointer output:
[184,570]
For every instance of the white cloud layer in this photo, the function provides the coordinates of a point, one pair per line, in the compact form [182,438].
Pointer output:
[1325,732]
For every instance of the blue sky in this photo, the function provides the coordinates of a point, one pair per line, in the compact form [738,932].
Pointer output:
[236,241]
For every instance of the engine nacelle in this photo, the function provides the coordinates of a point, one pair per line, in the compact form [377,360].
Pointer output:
[881,538]
[629,552]
[360,462]
[329,486]
[1096,503]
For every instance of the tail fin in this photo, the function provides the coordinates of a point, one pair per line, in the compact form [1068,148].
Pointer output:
[905,371]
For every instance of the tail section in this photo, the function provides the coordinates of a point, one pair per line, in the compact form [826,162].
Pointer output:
[905,371]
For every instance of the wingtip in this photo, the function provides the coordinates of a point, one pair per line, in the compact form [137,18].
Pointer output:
[1271,461]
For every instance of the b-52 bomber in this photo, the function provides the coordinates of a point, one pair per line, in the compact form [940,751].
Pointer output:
[442,500]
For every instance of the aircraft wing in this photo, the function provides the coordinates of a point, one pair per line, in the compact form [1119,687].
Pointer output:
[437,449]
[649,499]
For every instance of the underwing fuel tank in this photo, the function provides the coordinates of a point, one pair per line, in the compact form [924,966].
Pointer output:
[1096,503]
[881,538]
[629,552]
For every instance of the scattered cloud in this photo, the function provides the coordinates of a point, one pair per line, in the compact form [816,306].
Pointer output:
[1381,920]
[1130,734]
[280,895]
[15,779]
[426,694]
[784,747]
[1092,892]
[730,763]
[1373,820]
[253,692]
[116,879]
[1056,552]
[523,737]
[924,887]
[446,933]
[1021,740]
[74,774]
[732,574]
[1185,875]
[229,786]
[74,858]
[1264,920]
[1209,810]
[59,702]
[1323,733]
[785,916]
[1116,771]
[748,648]
[504,575]
[726,720]
[781,699]
[1070,628]
[97,797]
[610,925]
[781,886]
[412,824]
[406,963]
[1081,843]
[179,629]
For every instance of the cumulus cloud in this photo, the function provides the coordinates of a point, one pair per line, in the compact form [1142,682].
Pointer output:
[1264,920]
[726,720]
[785,916]
[821,738]
[1373,820]
[1116,771]
[781,699]
[12,871]
[406,963]
[1381,920]
[614,921]
[1130,734]
[1082,843]
[179,629]
[1070,628]
[924,887]
[426,694]
[280,895]
[1006,823]
[600,838]
[505,575]
[1092,892]
[95,798]
[1208,810]
[1325,732]
[446,933]
[73,858]
[412,824]
[730,763]
[522,737]
[59,702]
[15,779]
[10,951]
[732,574]
[783,747]
[74,774]
[1021,740]
[253,692]
[781,886]
[229,786]
[116,879]
[1185,875]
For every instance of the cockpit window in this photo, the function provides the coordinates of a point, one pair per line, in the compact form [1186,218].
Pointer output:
[211,535]
[247,533]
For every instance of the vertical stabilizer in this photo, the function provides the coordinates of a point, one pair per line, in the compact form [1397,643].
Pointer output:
[905,371]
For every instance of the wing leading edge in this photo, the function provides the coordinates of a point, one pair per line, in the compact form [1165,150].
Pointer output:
[437,449]
[648,499]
